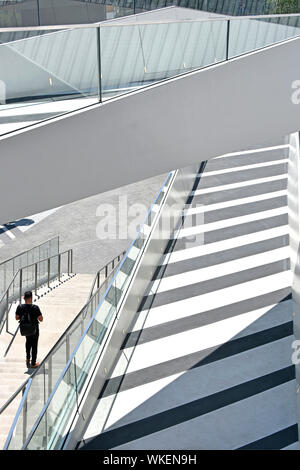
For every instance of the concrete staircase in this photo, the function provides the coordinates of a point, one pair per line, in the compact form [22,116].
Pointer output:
[59,305]
[208,364]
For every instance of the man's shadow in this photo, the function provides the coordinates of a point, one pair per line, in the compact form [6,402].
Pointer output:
[15,224]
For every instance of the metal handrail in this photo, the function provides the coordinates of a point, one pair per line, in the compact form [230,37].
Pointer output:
[45,407]
[20,271]
[165,21]
[105,268]
[34,264]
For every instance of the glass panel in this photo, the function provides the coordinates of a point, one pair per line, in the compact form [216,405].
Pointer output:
[89,347]
[64,263]
[33,403]
[86,317]
[42,272]
[139,55]
[250,34]
[44,251]
[6,421]
[75,333]
[59,360]
[84,357]
[15,291]
[59,74]
[54,246]
[36,399]
[51,428]
[17,439]
[53,267]
[28,278]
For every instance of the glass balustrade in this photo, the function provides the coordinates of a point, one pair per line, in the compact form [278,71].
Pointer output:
[74,68]
[10,267]
[32,277]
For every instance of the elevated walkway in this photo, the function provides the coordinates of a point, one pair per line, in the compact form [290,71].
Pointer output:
[207,362]
[221,82]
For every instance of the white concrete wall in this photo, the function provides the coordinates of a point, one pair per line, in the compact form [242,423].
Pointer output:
[294,226]
[293,197]
[223,108]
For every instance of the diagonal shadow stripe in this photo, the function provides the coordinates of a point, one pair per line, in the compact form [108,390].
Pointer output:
[198,359]
[211,285]
[188,411]
[213,259]
[231,212]
[275,441]
[248,159]
[225,195]
[206,318]
[228,232]
[243,175]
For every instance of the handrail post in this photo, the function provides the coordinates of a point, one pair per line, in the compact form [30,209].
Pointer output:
[7,305]
[38,13]
[68,356]
[48,272]
[227,39]
[49,375]
[35,278]
[98,280]
[21,281]
[24,418]
[106,271]
[99,63]
[59,267]
[68,262]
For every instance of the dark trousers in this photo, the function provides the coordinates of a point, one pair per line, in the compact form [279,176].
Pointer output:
[31,347]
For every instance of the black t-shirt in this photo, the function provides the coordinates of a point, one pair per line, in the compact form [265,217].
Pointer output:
[33,310]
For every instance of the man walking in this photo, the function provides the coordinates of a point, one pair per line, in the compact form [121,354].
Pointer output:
[33,312]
